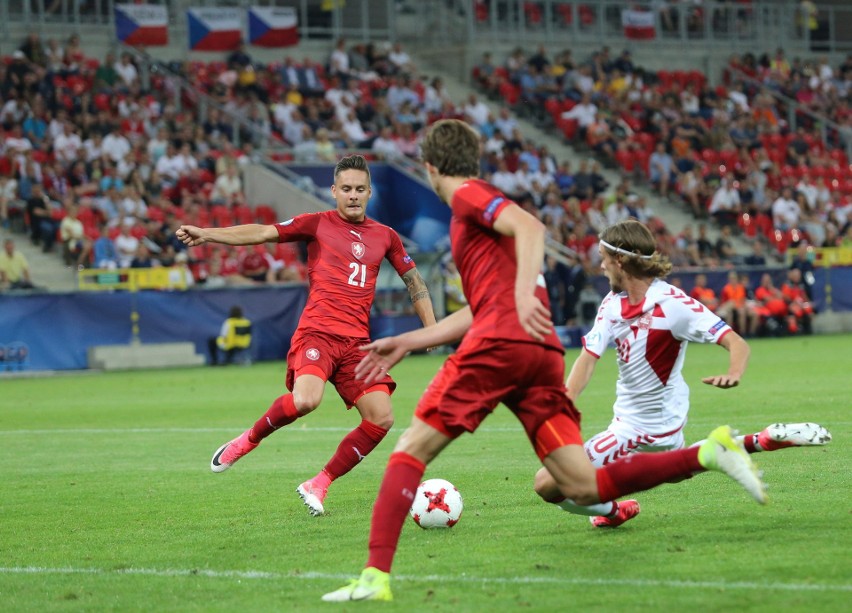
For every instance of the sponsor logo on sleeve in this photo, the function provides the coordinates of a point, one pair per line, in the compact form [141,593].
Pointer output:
[593,338]
[489,211]
[717,326]
[312,354]
[406,259]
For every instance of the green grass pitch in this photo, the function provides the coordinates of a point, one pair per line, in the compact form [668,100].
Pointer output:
[107,502]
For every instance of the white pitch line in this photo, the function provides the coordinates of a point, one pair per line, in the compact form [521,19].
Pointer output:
[315,576]
[305,429]
[116,431]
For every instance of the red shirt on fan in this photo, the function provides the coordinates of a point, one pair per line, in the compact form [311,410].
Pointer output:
[486,263]
[343,264]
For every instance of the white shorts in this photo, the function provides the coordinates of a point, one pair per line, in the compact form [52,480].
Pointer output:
[621,439]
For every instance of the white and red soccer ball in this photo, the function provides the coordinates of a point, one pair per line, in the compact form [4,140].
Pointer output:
[437,504]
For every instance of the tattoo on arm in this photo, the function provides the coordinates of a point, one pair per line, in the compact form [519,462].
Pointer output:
[417,289]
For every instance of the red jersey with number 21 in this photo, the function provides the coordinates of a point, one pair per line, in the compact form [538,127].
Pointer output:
[486,262]
[343,262]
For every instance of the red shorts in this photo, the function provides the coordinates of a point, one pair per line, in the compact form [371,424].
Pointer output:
[526,377]
[332,358]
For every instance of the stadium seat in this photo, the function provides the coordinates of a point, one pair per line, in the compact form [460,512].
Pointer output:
[265,214]
[243,214]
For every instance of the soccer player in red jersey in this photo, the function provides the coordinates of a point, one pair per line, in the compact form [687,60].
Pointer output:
[509,354]
[345,251]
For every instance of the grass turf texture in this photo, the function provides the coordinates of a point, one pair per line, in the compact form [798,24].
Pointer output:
[108,502]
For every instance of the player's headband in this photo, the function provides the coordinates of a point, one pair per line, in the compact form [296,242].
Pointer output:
[625,251]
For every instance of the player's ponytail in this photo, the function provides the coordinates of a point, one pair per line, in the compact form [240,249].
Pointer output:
[632,243]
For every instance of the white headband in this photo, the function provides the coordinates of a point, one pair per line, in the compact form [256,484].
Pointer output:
[624,251]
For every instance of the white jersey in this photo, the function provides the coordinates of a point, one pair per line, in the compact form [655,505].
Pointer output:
[650,339]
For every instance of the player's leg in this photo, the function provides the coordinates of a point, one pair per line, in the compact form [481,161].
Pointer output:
[306,396]
[376,421]
[784,436]
[418,445]
[374,405]
[448,407]
[602,448]
[643,471]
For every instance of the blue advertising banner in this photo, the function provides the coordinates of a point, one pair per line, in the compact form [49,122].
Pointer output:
[55,331]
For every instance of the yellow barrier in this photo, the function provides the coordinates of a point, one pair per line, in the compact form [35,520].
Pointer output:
[833,256]
[132,279]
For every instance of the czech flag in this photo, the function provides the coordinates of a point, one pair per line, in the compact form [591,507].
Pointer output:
[273,26]
[638,25]
[214,29]
[142,25]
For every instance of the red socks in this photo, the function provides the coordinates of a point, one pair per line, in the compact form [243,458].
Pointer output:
[642,471]
[402,477]
[281,413]
[354,447]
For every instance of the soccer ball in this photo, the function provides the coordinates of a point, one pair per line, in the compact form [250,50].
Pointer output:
[437,504]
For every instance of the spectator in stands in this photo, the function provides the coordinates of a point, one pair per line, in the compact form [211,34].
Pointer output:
[661,169]
[725,204]
[128,75]
[74,56]
[227,185]
[799,308]
[233,341]
[785,211]
[476,111]
[385,144]
[75,247]
[770,306]
[10,209]
[126,244]
[704,294]
[584,112]
[338,63]
[104,254]
[400,60]
[733,307]
[706,250]
[724,247]
[14,269]
[756,257]
[43,218]
[803,261]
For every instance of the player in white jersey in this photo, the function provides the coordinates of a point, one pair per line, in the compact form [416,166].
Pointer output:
[650,323]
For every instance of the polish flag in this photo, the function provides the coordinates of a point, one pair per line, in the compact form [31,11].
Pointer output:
[638,25]
[273,26]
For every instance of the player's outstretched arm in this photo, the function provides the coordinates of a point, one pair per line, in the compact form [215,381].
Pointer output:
[247,234]
[420,298]
[529,253]
[738,360]
[580,375]
[385,353]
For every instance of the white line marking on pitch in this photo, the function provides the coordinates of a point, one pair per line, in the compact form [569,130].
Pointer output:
[305,429]
[312,576]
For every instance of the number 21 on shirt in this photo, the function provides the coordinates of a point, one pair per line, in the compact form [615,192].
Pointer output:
[359,274]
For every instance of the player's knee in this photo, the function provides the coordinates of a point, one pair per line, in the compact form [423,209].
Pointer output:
[545,486]
[305,403]
[384,421]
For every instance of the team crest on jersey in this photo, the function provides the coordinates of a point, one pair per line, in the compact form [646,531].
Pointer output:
[312,354]
[644,322]
[358,250]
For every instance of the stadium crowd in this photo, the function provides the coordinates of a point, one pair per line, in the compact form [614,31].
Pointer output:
[107,170]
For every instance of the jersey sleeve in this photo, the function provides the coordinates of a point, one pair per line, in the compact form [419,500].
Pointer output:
[397,256]
[299,228]
[694,322]
[600,336]
[482,212]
